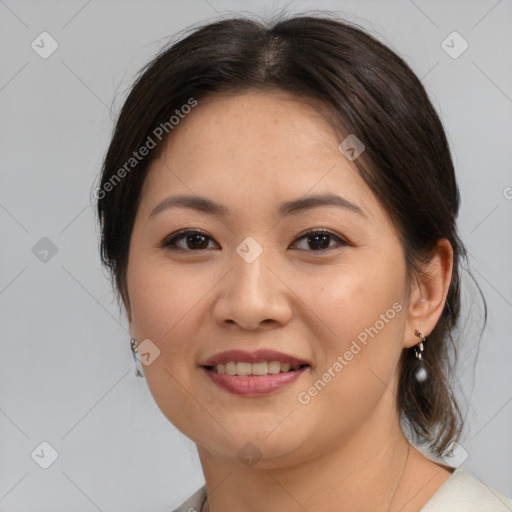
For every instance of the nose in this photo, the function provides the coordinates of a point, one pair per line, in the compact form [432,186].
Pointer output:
[253,295]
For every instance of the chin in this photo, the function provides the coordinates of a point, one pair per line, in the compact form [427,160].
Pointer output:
[255,448]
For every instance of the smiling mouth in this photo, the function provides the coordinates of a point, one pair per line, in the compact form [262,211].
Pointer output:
[255,369]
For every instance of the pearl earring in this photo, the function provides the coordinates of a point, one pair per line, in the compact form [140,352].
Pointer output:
[421,374]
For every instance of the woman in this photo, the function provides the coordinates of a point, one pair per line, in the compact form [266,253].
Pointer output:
[278,209]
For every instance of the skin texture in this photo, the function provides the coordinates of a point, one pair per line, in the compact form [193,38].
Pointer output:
[344,450]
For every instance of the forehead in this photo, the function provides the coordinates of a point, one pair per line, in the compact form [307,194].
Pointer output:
[253,126]
[253,148]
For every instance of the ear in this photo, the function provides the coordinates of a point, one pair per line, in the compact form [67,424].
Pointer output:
[428,293]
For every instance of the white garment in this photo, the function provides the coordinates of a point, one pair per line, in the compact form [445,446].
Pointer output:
[460,493]
[463,493]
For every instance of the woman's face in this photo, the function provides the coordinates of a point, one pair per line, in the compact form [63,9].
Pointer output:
[248,278]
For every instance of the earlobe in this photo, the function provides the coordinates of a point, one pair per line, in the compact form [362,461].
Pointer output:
[428,297]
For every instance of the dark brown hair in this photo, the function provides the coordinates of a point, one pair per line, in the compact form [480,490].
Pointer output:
[363,88]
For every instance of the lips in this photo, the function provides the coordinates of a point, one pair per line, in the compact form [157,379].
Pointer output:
[254,374]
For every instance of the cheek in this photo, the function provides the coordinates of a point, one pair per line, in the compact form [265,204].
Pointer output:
[164,310]
[364,316]
[162,297]
[165,304]
[353,299]
[362,306]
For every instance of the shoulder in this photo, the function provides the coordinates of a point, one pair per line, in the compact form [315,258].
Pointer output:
[463,493]
[194,503]
[460,493]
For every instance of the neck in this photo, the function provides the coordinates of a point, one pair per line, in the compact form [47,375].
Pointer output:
[358,475]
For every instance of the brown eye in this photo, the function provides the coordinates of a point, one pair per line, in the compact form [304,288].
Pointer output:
[319,240]
[193,240]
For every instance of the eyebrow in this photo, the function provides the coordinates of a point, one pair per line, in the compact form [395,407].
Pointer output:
[205,205]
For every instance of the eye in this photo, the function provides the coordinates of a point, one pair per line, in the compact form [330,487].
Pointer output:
[319,239]
[194,240]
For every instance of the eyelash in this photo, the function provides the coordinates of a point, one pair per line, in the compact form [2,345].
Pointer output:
[169,243]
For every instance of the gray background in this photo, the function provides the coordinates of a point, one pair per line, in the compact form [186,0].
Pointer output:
[66,373]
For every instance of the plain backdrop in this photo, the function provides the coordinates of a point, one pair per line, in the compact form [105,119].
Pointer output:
[66,375]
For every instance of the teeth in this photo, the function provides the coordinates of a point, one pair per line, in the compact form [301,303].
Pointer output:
[285,367]
[243,368]
[274,367]
[258,368]
[261,368]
